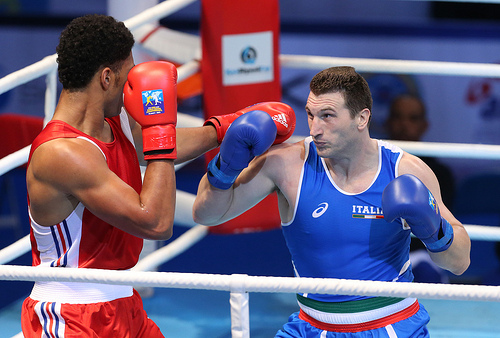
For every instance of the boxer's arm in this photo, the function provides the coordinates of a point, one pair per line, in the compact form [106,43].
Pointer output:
[67,170]
[457,257]
[214,206]
[250,135]
[193,142]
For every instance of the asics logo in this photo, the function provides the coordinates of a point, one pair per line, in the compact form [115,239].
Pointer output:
[281,118]
[320,210]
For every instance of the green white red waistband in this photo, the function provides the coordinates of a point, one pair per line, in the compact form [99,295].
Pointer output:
[356,316]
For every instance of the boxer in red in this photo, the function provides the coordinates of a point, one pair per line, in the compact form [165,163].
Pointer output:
[88,206]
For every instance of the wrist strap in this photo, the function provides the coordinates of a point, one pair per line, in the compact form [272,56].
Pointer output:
[445,236]
[159,142]
[216,123]
[221,178]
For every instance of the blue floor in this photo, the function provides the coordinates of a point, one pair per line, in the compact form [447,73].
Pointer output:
[184,313]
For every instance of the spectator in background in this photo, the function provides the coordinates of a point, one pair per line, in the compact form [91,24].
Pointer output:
[407,121]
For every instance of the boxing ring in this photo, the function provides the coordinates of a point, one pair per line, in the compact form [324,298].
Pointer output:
[240,286]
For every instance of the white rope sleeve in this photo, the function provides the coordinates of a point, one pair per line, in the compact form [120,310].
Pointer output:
[453,150]
[155,13]
[175,248]
[14,160]
[15,250]
[240,314]
[40,68]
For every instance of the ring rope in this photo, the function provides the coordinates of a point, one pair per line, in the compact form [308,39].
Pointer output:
[393,66]
[245,283]
[175,248]
[14,160]
[34,71]
[156,12]
[454,150]
[442,149]
[15,250]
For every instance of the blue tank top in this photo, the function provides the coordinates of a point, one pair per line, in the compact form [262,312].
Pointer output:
[335,234]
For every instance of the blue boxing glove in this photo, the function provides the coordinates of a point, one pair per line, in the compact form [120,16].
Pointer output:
[249,135]
[407,197]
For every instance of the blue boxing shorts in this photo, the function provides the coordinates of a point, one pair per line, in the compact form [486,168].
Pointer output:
[413,326]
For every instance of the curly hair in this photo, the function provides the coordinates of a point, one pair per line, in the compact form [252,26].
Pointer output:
[346,81]
[89,43]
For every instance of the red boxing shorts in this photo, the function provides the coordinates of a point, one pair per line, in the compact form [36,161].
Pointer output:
[122,317]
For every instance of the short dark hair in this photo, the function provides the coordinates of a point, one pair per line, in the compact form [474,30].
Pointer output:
[89,43]
[345,80]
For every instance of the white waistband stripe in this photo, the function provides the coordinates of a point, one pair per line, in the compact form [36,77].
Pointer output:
[79,293]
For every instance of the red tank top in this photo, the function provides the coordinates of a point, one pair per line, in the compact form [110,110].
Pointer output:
[83,240]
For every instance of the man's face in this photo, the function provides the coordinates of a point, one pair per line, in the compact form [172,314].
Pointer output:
[119,83]
[407,121]
[330,123]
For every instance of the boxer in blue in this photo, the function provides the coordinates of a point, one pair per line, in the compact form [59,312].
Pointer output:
[347,203]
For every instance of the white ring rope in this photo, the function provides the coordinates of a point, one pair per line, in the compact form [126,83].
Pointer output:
[36,70]
[442,149]
[14,160]
[181,244]
[157,12]
[392,66]
[454,150]
[245,283]
[15,250]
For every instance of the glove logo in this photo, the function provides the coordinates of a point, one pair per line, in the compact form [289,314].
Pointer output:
[432,203]
[152,102]
[322,207]
[281,118]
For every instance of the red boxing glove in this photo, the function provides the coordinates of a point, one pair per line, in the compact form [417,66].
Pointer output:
[281,113]
[150,97]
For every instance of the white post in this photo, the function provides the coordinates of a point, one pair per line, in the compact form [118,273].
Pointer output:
[50,95]
[240,314]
